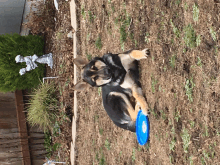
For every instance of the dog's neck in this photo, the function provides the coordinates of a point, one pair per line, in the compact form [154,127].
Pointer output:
[118,71]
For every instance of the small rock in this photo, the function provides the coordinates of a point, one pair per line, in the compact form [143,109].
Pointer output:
[56,4]
[70,35]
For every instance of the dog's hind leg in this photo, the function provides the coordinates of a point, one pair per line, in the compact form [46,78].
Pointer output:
[129,107]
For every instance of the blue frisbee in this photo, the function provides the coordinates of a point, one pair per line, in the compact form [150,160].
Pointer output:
[142,128]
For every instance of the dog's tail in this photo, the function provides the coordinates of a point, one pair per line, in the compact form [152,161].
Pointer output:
[128,125]
[132,126]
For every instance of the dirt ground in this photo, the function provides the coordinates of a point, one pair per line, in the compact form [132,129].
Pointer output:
[180,79]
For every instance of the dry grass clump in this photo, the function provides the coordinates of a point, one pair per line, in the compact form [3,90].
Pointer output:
[42,107]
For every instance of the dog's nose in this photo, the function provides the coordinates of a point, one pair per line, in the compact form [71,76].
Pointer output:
[107,71]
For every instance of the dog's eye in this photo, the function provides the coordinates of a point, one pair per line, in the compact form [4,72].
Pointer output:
[93,67]
[95,78]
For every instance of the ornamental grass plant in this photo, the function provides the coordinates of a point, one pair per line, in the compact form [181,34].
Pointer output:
[43,106]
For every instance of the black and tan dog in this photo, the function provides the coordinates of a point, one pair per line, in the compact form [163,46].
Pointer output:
[118,75]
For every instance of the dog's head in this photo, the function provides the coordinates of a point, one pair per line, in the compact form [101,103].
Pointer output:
[95,73]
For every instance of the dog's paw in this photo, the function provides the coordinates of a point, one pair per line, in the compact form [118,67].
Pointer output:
[137,107]
[146,52]
[145,112]
[144,109]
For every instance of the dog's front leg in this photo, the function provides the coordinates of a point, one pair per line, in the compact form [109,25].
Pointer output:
[137,94]
[139,54]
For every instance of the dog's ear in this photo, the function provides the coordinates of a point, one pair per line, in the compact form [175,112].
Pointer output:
[80,86]
[80,62]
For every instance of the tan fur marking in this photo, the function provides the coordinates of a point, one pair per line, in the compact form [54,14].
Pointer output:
[100,64]
[137,54]
[131,111]
[140,99]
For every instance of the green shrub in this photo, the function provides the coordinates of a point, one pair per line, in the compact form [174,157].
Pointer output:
[12,45]
[42,107]
[50,148]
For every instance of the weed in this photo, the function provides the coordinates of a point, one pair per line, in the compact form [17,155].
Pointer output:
[147,146]
[189,89]
[164,69]
[206,154]
[67,82]
[178,2]
[153,113]
[88,37]
[91,16]
[171,159]
[199,63]
[160,88]
[133,155]
[99,90]
[113,8]
[213,33]
[216,50]
[146,38]
[135,43]
[152,58]
[98,43]
[158,137]
[186,6]
[198,40]
[186,140]
[184,50]
[101,131]
[107,144]
[59,35]
[175,95]
[192,124]
[116,20]
[173,61]
[123,34]
[123,46]
[173,130]
[175,29]
[203,161]
[126,19]
[83,12]
[89,56]
[96,117]
[153,83]
[190,36]
[177,116]
[172,144]
[163,115]
[206,133]
[101,159]
[120,153]
[195,13]
[190,160]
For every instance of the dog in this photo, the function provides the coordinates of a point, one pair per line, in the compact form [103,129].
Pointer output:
[118,76]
